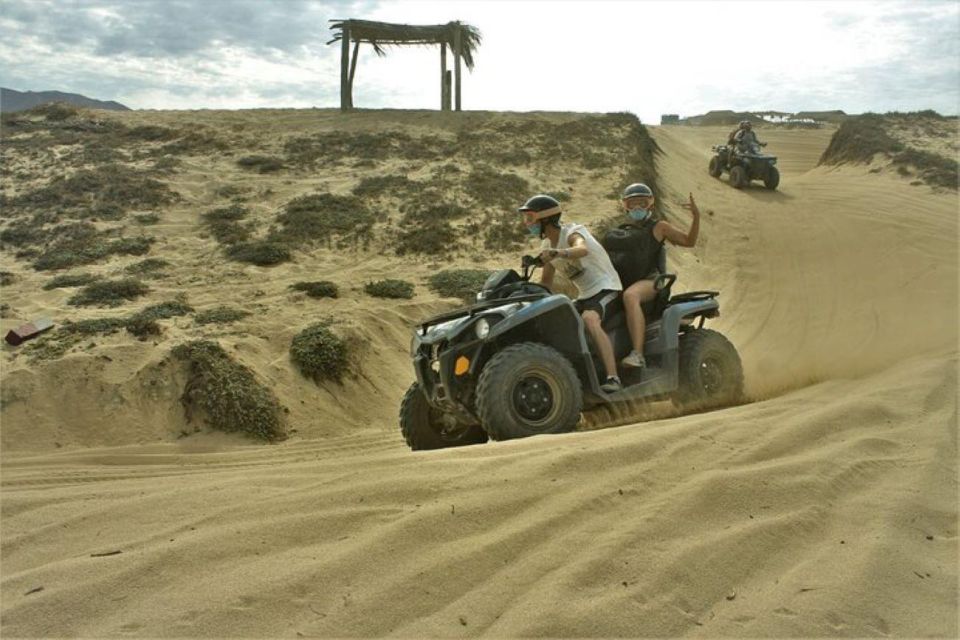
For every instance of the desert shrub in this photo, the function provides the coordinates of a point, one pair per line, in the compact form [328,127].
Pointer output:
[374,186]
[319,353]
[146,219]
[55,111]
[223,226]
[82,244]
[419,212]
[194,143]
[220,315]
[163,310]
[150,266]
[142,327]
[433,237]
[94,326]
[559,196]
[70,280]
[389,288]
[226,393]
[322,216]
[318,289]
[108,185]
[109,293]
[490,187]
[263,164]
[334,146]
[7,277]
[166,164]
[934,169]
[259,252]
[459,283]
[502,230]
[858,140]
[151,133]
[23,234]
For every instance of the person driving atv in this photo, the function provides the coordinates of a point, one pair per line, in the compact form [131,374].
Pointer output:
[744,138]
[637,201]
[577,254]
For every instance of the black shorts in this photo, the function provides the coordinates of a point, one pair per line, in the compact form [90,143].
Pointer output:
[603,303]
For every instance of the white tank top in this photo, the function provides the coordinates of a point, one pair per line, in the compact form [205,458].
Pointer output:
[592,273]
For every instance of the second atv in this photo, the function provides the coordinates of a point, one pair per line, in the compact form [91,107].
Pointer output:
[744,165]
[517,363]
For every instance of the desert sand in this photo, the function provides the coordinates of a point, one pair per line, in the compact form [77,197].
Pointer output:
[824,507]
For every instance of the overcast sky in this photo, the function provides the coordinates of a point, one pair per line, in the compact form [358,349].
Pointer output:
[641,56]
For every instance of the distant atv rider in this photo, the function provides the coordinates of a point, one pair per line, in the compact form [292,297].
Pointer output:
[743,138]
[571,249]
[639,266]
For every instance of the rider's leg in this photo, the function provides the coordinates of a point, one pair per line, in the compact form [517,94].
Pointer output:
[592,321]
[635,295]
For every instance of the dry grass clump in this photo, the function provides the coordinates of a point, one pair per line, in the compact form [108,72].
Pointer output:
[226,394]
[459,283]
[389,288]
[390,185]
[147,268]
[490,187]
[109,293]
[318,289]
[7,278]
[220,315]
[262,164]
[262,253]
[223,224]
[319,354]
[325,217]
[334,146]
[77,244]
[68,280]
[146,219]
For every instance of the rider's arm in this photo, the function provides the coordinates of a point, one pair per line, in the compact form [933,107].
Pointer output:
[546,276]
[578,247]
[666,231]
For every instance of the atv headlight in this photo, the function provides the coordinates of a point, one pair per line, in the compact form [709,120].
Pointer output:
[482,328]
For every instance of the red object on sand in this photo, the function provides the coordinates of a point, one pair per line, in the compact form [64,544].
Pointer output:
[27,331]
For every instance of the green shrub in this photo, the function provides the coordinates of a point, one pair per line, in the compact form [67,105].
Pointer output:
[395,185]
[226,393]
[502,231]
[7,277]
[318,289]
[105,186]
[259,252]
[322,216]
[70,280]
[109,293]
[146,267]
[459,283]
[94,326]
[163,310]
[490,187]
[320,354]
[220,315]
[263,164]
[151,133]
[83,245]
[223,226]
[436,237]
[389,289]
[146,219]
[143,328]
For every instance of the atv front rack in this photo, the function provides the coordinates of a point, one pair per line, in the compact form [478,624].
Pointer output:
[475,309]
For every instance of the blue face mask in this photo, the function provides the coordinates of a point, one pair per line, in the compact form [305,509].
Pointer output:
[534,229]
[639,215]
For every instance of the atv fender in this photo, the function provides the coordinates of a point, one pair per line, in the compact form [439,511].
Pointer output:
[552,321]
[668,337]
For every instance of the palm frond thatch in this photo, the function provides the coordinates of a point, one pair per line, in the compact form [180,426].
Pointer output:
[381,34]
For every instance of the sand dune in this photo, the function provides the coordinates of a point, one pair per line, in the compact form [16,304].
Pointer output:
[827,507]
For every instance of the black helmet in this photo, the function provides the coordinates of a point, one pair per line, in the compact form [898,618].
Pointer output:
[637,190]
[543,205]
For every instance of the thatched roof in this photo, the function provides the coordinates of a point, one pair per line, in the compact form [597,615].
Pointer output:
[380,34]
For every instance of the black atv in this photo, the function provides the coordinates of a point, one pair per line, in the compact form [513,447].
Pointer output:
[517,363]
[744,165]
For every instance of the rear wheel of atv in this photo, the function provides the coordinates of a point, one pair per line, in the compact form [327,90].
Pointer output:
[710,371]
[423,427]
[528,389]
[738,177]
[772,179]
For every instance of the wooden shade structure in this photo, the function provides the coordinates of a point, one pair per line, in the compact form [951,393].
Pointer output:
[462,39]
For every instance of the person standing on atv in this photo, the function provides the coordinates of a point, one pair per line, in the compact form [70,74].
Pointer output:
[571,249]
[638,201]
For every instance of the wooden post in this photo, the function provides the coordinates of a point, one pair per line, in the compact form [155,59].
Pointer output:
[353,70]
[444,96]
[344,63]
[456,62]
[447,87]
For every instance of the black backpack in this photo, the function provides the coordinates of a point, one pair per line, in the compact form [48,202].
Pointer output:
[634,252]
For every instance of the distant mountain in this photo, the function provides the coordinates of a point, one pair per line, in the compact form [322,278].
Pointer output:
[12,100]
[733,117]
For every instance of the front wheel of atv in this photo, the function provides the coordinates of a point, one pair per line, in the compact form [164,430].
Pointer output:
[423,427]
[772,179]
[715,168]
[710,371]
[738,177]
[528,389]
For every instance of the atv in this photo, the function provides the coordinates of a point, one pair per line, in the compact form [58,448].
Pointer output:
[517,363]
[744,165]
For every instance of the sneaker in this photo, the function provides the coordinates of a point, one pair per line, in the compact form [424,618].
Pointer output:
[611,385]
[634,360]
